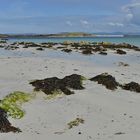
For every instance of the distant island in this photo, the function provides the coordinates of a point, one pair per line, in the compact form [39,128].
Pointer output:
[72,34]
[65,34]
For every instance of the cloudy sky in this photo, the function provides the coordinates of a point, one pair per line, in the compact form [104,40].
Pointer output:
[53,16]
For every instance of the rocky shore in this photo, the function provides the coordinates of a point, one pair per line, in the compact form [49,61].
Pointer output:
[83,47]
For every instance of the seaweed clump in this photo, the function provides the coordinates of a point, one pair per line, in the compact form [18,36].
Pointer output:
[67,50]
[56,94]
[75,122]
[5,125]
[132,86]
[107,80]
[40,49]
[120,52]
[87,51]
[12,102]
[103,53]
[54,84]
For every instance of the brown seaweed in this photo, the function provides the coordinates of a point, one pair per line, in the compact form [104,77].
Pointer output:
[120,51]
[50,85]
[5,125]
[132,86]
[107,80]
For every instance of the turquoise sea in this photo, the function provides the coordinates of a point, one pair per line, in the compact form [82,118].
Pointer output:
[130,40]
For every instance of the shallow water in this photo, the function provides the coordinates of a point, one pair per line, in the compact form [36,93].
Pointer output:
[97,59]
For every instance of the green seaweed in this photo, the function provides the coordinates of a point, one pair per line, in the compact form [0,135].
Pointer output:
[82,78]
[12,103]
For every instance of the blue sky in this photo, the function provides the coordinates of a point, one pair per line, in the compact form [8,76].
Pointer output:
[53,16]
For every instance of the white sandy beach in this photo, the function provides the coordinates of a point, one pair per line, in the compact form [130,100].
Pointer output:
[106,113]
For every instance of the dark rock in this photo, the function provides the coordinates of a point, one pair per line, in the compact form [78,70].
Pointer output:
[14,43]
[5,125]
[121,46]
[132,86]
[99,49]
[11,47]
[40,49]
[2,46]
[50,85]
[61,47]
[44,43]
[67,50]
[120,51]
[31,44]
[21,43]
[49,46]
[3,41]
[103,53]
[107,80]
[25,47]
[137,49]
[87,51]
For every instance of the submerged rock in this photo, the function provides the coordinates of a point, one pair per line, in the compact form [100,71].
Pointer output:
[51,85]
[5,125]
[107,80]
[132,86]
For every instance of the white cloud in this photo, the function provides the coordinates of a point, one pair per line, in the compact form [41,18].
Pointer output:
[130,7]
[69,23]
[84,22]
[129,16]
[133,12]
[116,24]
